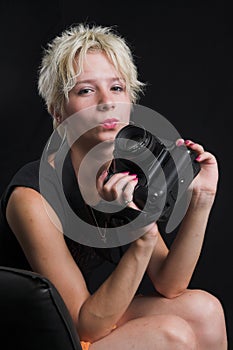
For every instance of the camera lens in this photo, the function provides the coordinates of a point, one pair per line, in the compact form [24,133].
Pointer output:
[130,139]
[133,141]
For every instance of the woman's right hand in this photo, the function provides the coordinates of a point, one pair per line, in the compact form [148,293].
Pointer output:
[120,188]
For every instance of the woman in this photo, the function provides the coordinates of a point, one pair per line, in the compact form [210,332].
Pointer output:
[88,72]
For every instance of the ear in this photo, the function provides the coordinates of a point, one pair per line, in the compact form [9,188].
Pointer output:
[56,115]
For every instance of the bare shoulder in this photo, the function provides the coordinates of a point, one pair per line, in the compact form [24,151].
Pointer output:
[24,202]
[27,205]
[24,194]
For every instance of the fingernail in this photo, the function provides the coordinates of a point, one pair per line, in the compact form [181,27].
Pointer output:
[198,157]
[104,173]
[134,177]
[188,142]
[179,142]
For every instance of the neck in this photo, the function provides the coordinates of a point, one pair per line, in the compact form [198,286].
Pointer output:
[88,166]
[98,157]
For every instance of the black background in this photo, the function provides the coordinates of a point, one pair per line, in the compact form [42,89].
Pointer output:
[184,52]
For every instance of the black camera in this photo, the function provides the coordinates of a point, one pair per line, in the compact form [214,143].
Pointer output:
[164,169]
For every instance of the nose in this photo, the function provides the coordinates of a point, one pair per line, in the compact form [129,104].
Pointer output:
[106,106]
[106,102]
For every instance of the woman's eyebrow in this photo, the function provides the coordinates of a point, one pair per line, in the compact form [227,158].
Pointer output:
[91,81]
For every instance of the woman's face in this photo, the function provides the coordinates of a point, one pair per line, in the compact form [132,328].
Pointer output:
[99,102]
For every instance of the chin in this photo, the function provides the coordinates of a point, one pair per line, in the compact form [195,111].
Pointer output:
[107,140]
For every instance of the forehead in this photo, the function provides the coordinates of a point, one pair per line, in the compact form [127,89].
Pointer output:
[96,61]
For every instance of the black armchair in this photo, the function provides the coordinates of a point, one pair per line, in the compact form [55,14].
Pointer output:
[33,315]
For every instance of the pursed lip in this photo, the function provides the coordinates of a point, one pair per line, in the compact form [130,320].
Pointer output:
[110,123]
[110,120]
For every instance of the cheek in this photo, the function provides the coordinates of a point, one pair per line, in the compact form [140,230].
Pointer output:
[124,111]
[70,107]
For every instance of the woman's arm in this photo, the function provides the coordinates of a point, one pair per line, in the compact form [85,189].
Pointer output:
[107,305]
[171,271]
[45,248]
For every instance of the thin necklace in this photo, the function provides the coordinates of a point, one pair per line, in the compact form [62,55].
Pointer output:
[102,232]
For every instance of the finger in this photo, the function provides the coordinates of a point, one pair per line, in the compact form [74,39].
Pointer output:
[179,142]
[100,180]
[116,187]
[112,189]
[115,179]
[128,192]
[194,146]
[206,157]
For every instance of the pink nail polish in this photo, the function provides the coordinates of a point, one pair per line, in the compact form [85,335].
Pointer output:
[104,173]
[180,142]
[189,143]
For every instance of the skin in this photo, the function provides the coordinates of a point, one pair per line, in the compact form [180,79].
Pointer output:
[173,318]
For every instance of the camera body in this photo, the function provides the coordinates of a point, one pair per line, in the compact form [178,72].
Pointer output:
[164,171]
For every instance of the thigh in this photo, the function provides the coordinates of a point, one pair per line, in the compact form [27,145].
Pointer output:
[184,306]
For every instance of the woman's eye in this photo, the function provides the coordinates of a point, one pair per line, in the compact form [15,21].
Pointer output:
[84,91]
[117,88]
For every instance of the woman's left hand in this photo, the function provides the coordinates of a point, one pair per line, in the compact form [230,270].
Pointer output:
[207,179]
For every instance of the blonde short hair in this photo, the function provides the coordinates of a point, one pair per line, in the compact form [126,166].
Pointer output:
[62,62]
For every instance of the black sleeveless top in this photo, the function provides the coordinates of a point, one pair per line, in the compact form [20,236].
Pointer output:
[96,264]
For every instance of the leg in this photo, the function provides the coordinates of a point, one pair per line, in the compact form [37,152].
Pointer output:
[201,310]
[163,332]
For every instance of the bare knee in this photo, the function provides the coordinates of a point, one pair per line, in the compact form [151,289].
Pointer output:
[169,332]
[206,314]
[165,332]
[178,333]
[150,332]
